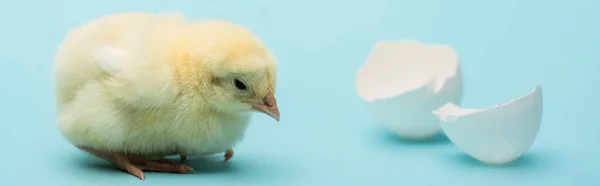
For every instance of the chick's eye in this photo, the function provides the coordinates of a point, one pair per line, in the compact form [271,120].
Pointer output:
[239,84]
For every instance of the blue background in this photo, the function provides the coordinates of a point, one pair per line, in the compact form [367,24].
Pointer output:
[326,135]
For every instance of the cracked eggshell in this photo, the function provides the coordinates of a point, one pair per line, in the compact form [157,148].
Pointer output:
[498,134]
[402,82]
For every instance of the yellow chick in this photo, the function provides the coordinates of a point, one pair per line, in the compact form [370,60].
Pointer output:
[134,87]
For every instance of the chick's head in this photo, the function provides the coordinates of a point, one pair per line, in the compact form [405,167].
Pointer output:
[235,71]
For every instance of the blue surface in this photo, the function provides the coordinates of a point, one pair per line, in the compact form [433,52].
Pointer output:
[326,136]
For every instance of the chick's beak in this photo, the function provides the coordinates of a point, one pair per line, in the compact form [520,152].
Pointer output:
[268,106]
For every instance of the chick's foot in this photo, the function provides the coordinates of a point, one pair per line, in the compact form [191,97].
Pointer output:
[161,165]
[137,165]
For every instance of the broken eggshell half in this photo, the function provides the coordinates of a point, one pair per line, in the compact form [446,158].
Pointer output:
[402,82]
[498,134]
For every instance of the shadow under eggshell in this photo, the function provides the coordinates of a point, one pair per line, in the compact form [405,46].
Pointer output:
[402,82]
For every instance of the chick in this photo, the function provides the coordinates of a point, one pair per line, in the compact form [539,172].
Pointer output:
[134,87]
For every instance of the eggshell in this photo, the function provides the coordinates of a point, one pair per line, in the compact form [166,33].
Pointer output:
[498,134]
[402,82]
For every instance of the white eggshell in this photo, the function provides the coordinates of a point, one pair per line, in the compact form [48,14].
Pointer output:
[498,134]
[402,82]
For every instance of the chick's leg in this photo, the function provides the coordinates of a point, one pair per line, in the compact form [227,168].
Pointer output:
[182,158]
[228,154]
[136,165]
